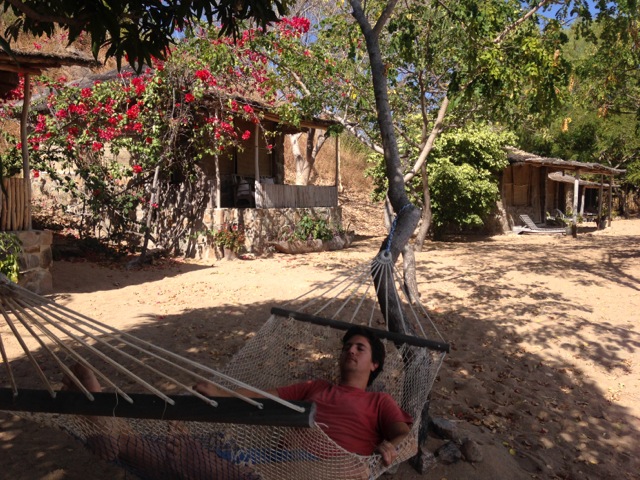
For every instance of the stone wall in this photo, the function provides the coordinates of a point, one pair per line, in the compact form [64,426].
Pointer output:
[262,225]
[35,261]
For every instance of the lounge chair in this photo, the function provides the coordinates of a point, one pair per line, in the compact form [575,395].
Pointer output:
[531,227]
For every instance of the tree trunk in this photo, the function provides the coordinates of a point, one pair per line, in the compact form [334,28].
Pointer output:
[302,167]
[407,215]
[425,223]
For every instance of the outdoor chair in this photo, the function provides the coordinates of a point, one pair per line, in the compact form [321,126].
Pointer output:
[243,193]
[531,227]
[561,216]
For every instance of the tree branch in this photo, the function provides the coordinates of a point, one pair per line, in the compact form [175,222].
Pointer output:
[384,17]
[435,131]
[519,22]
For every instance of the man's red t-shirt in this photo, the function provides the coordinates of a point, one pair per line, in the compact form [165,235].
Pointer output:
[351,417]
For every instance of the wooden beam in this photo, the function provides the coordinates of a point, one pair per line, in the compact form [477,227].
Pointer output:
[26,170]
[576,188]
[393,336]
[610,199]
[17,69]
[600,194]
[147,406]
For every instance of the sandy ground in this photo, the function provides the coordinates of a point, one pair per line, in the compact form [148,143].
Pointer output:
[544,371]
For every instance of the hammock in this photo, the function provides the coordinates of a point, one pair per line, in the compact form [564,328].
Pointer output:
[190,436]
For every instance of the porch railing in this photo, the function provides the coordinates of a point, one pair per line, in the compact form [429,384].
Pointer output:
[270,195]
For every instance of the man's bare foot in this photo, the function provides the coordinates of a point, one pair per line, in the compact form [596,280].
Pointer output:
[85,376]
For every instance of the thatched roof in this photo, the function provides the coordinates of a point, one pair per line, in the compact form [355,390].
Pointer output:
[35,63]
[22,62]
[566,178]
[516,156]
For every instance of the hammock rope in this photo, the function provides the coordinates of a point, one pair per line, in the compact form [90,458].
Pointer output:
[299,341]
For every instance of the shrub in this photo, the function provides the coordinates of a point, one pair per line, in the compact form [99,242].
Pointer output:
[9,253]
[229,236]
[309,228]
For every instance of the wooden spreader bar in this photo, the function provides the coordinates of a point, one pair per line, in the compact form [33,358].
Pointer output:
[147,406]
[393,336]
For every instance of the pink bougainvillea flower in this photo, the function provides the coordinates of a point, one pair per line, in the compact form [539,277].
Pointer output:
[246,135]
[203,75]
[97,146]
[86,92]
[137,169]
[36,174]
[133,111]
[188,98]
[247,108]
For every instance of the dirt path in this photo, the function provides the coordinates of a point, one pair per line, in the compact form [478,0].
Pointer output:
[544,371]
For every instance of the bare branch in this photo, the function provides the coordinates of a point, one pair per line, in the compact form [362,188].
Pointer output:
[435,131]
[519,22]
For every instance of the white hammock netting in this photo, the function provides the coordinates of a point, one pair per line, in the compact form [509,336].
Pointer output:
[189,436]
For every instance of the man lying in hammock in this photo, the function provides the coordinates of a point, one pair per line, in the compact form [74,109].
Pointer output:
[361,422]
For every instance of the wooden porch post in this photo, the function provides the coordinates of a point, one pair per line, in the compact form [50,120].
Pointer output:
[584,197]
[257,199]
[600,193]
[218,187]
[338,176]
[544,193]
[26,170]
[610,199]
[576,186]
[256,152]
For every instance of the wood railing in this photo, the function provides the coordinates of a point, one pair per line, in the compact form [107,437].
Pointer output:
[269,195]
[15,211]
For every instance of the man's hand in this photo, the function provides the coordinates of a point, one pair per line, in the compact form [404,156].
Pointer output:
[388,451]
[209,390]
[395,433]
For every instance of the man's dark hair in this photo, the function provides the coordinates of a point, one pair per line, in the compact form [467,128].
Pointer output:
[377,348]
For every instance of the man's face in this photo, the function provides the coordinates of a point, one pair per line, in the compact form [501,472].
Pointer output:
[356,356]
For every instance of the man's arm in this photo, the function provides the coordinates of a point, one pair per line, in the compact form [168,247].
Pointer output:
[393,434]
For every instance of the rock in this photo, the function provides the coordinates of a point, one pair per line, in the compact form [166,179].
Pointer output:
[424,460]
[449,453]
[443,428]
[301,246]
[471,451]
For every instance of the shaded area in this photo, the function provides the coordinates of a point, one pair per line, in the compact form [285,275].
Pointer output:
[538,365]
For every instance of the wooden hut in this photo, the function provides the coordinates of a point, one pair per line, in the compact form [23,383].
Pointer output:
[246,186]
[15,207]
[538,186]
